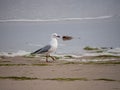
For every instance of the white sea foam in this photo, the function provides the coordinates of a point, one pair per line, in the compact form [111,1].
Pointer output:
[115,52]
[13,54]
[57,19]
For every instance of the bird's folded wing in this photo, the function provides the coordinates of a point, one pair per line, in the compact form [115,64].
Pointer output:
[42,50]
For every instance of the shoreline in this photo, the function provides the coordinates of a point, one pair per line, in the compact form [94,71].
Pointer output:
[33,73]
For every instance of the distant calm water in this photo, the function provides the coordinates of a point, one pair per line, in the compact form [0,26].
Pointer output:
[30,36]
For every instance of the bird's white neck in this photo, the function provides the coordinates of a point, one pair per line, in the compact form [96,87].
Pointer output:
[54,42]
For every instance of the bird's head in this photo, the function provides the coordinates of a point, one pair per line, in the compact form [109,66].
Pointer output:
[54,35]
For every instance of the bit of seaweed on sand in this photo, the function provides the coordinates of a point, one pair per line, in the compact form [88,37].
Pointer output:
[57,79]
[93,62]
[41,64]
[12,64]
[18,78]
[67,79]
[104,79]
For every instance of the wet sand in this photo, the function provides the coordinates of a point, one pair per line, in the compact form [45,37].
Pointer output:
[58,75]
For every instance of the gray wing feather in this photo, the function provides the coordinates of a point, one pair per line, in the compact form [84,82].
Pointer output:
[42,50]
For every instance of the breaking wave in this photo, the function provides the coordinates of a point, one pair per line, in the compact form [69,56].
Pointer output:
[114,51]
[13,54]
[57,19]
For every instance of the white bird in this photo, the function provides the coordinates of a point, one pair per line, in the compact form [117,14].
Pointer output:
[50,48]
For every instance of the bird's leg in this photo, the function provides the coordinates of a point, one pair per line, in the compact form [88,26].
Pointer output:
[53,58]
[46,58]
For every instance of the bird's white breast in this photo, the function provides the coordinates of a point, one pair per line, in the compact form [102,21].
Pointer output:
[53,44]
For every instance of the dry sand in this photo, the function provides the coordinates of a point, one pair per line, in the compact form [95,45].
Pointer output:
[84,76]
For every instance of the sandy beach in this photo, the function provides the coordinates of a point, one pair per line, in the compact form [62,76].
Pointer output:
[23,73]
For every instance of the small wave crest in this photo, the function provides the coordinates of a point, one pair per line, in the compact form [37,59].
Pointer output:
[13,54]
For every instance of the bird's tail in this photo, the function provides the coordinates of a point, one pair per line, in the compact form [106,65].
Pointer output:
[32,53]
[36,52]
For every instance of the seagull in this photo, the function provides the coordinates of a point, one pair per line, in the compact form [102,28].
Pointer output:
[50,48]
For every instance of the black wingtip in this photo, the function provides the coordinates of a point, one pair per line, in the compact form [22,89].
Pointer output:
[33,53]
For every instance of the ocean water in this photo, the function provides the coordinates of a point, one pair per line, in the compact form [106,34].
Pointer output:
[30,36]
[111,52]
